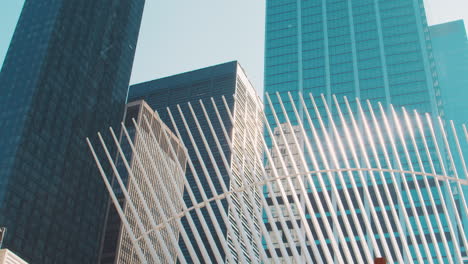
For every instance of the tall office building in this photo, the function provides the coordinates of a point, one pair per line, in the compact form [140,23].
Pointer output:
[149,167]
[377,50]
[156,171]
[450,49]
[245,107]
[278,242]
[65,76]
[370,49]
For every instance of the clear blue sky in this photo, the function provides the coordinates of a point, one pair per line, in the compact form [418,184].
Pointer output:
[183,35]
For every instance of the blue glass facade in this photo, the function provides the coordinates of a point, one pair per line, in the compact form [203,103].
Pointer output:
[212,82]
[64,78]
[375,50]
[450,47]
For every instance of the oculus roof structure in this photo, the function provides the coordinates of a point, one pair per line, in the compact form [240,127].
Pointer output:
[362,183]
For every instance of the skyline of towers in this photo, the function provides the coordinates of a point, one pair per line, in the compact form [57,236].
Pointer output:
[70,84]
[65,76]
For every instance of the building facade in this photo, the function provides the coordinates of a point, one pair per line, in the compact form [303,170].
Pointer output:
[65,76]
[450,49]
[373,50]
[153,142]
[376,50]
[152,168]
[240,109]
[275,194]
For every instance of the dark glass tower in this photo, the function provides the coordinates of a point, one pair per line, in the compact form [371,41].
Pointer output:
[64,78]
[226,79]
[375,50]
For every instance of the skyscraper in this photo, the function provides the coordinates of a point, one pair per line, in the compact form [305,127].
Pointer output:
[209,177]
[152,170]
[377,50]
[149,169]
[374,50]
[278,242]
[450,48]
[65,76]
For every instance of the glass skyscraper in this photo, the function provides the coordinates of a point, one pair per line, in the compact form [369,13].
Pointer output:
[377,50]
[64,78]
[374,50]
[450,48]
[242,103]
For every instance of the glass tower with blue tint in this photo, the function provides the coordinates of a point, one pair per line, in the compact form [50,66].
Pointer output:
[241,103]
[450,46]
[64,78]
[375,50]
